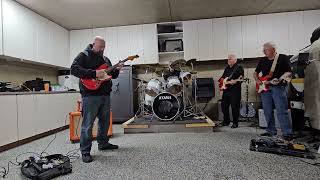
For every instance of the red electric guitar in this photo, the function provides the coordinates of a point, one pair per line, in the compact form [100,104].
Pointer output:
[94,84]
[286,77]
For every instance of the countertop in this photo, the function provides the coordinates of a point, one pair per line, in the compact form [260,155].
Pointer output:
[36,92]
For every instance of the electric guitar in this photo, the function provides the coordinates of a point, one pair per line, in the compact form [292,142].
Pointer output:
[94,84]
[266,82]
[223,82]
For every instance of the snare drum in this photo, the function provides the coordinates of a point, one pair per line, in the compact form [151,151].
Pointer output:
[154,87]
[174,85]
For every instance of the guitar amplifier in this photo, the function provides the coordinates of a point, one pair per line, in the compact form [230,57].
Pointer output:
[204,88]
[75,127]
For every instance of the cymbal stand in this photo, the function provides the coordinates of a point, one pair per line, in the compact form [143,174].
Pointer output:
[188,108]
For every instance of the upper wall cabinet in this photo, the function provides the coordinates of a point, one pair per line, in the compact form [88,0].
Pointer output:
[198,39]
[234,36]
[111,50]
[19,31]
[274,27]
[121,42]
[150,44]
[190,40]
[205,39]
[29,36]
[220,38]
[1,33]
[136,44]
[59,45]
[79,40]
[43,49]
[250,36]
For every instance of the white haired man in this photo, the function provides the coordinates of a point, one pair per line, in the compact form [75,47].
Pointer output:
[276,96]
[232,94]
[95,103]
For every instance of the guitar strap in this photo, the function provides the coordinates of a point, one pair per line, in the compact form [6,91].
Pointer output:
[235,69]
[274,64]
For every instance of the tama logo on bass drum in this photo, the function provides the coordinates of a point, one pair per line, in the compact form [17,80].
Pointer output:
[164,97]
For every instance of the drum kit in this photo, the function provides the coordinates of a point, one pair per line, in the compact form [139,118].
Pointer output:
[167,99]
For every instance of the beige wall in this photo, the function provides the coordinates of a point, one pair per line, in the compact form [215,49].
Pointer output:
[18,72]
[214,69]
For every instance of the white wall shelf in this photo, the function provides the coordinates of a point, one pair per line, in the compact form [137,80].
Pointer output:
[177,35]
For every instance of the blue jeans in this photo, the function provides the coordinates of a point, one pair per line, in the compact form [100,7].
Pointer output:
[92,107]
[276,95]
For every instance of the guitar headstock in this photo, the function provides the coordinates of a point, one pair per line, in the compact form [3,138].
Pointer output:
[131,58]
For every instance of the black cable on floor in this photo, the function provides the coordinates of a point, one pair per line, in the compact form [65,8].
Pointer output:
[44,151]
[313,164]
[71,154]
[6,170]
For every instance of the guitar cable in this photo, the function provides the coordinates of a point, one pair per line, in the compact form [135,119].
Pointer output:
[72,155]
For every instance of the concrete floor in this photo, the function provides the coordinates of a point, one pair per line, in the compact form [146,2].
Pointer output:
[223,154]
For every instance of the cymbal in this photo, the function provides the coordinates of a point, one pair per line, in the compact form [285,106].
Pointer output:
[191,61]
[178,63]
[161,70]
[150,68]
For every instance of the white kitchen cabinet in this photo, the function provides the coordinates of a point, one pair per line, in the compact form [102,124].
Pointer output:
[280,32]
[27,122]
[234,36]
[123,42]
[205,39]
[275,28]
[8,120]
[311,21]
[136,44]
[1,32]
[220,38]
[19,31]
[250,36]
[79,40]
[59,45]
[150,44]
[264,22]
[27,35]
[42,42]
[39,113]
[190,40]
[111,50]
[296,32]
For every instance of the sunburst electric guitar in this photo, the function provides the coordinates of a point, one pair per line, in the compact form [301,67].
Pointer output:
[223,82]
[94,84]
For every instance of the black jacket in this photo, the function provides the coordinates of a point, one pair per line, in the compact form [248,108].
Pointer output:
[85,65]
[238,71]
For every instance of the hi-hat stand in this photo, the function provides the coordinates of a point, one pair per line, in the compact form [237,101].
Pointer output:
[142,110]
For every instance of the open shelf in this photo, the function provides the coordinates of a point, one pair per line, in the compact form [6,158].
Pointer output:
[174,52]
[177,35]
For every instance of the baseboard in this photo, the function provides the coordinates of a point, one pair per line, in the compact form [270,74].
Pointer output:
[32,138]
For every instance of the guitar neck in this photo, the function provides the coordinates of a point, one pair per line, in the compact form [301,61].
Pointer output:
[111,68]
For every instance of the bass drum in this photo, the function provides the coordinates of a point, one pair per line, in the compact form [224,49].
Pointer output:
[165,106]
